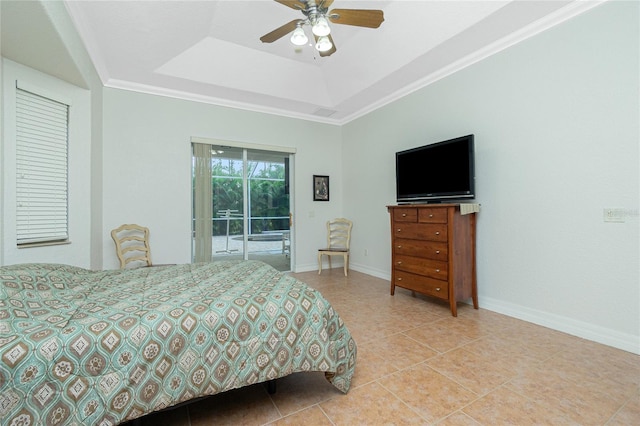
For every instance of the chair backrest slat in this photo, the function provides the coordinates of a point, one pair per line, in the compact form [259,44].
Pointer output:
[339,233]
[132,245]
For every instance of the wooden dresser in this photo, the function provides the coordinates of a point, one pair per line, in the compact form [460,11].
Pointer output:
[434,252]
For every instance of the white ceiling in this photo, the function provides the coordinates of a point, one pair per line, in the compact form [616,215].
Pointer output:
[210,50]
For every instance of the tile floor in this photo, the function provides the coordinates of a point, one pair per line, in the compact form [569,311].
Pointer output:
[419,365]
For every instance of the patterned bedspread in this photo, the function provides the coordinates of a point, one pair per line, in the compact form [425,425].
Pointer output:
[102,347]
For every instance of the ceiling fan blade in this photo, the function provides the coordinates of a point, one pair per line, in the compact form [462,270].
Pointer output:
[280,31]
[330,51]
[326,4]
[293,4]
[357,17]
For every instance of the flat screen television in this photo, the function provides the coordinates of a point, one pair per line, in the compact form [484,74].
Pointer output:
[439,172]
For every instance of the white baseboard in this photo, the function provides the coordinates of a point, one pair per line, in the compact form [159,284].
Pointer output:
[626,342]
[378,273]
[616,339]
[306,268]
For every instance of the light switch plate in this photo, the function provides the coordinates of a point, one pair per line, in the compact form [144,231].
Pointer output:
[614,215]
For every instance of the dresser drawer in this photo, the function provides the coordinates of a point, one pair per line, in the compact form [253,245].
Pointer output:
[421,231]
[427,249]
[431,268]
[421,284]
[433,252]
[432,215]
[407,214]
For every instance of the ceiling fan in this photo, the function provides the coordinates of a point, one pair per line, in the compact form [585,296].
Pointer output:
[318,16]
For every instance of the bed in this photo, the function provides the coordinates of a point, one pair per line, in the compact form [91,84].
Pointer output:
[104,347]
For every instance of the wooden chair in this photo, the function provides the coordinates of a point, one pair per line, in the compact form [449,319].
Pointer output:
[338,239]
[132,245]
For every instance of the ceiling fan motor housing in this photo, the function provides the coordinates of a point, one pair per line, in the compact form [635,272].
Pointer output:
[317,15]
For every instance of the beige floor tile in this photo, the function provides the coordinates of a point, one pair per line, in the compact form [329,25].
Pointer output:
[172,417]
[582,401]
[399,350]
[414,318]
[428,392]
[476,373]
[512,355]
[383,324]
[483,322]
[360,332]
[312,416]
[602,364]
[503,407]
[432,305]
[473,323]
[629,414]
[458,419]
[370,404]
[539,342]
[618,384]
[439,336]
[301,390]
[371,366]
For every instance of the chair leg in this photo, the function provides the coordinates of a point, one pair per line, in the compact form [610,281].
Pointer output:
[346,264]
[330,267]
[319,263]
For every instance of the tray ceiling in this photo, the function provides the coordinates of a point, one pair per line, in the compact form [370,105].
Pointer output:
[210,51]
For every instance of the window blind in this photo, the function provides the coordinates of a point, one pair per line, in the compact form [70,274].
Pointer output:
[41,167]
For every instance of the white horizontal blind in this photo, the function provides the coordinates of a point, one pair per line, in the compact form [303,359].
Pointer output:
[42,145]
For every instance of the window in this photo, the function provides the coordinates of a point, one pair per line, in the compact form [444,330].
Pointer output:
[41,169]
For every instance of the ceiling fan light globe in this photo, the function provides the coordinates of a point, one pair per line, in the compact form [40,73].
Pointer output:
[298,37]
[323,44]
[321,27]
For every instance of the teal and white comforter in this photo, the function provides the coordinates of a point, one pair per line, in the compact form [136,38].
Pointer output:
[104,347]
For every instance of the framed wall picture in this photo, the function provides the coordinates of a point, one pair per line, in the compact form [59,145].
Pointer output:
[320,188]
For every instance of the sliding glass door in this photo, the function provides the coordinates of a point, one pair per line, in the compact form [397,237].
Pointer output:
[241,206]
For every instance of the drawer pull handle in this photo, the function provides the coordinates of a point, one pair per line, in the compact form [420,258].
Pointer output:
[399,262]
[399,229]
[399,247]
[404,215]
[431,215]
[437,288]
[437,270]
[437,251]
[438,233]
[399,279]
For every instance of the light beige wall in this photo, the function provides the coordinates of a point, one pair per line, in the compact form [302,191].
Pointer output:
[147,167]
[556,126]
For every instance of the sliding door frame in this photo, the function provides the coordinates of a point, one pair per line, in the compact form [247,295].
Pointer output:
[245,146]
